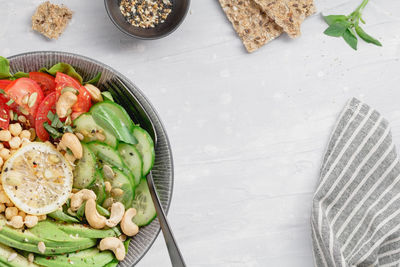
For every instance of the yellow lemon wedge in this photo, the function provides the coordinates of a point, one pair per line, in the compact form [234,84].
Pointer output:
[37,178]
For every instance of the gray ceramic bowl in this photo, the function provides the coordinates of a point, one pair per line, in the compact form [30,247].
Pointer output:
[163,167]
[174,19]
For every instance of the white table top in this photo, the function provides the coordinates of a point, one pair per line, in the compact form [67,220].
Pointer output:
[248,131]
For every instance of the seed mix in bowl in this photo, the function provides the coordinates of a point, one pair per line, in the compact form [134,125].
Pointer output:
[145,13]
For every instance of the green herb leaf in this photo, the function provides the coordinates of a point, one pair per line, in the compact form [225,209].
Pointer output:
[366,37]
[10,102]
[95,79]
[55,121]
[334,18]
[50,115]
[53,132]
[64,68]
[347,26]
[20,74]
[2,92]
[68,129]
[350,39]
[337,29]
[4,68]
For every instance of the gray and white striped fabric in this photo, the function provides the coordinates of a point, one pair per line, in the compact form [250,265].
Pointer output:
[356,207]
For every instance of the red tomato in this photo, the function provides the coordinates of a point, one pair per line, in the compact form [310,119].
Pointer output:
[84,101]
[4,84]
[49,103]
[4,113]
[63,80]
[21,87]
[45,81]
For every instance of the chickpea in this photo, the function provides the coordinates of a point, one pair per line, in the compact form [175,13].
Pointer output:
[5,135]
[15,129]
[15,142]
[25,134]
[5,153]
[11,212]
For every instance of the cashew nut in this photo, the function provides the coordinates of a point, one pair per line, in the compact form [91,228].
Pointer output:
[65,103]
[94,219]
[94,92]
[128,227]
[72,142]
[117,211]
[77,199]
[31,221]
[115,245]
[16,222]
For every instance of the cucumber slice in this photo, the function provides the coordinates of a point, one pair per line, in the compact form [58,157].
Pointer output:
[106,154]
[146,212]
[145,146]
[123,182]
[86,125]
[114,118]
[98,187]
[133,159]
[109,155]
[84,173]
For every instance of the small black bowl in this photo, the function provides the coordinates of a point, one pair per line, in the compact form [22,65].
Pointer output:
[174,19]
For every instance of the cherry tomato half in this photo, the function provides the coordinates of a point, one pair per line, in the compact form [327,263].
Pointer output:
[48,104]
[45,81]
[84,100]
[4,84]
[22,87]
[4,113]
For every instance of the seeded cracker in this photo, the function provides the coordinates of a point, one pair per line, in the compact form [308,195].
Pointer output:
[51,20]
[252,25]
[289,14]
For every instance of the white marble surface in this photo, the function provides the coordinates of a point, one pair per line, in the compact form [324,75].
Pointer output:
[248,130]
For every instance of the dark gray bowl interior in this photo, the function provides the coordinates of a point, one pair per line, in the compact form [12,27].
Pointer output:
[174,19]
[163,167]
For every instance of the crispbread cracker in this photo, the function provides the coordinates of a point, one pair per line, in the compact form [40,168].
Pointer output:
[51,20]
[252,25]
[289,14]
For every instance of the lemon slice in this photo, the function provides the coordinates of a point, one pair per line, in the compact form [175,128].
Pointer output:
[37,178]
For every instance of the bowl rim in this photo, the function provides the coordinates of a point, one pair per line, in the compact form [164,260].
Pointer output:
[147,38]
[130,84]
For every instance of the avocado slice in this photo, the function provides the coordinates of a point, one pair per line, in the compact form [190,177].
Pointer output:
[56,240]
[19,261]
[86,258]
[85,231]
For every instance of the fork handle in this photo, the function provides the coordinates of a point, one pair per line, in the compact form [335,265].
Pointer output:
[174,252]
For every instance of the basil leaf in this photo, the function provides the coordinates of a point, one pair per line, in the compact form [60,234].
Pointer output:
[366,37]
[4,68]
[64,68]
[337,29]
[334,18]
[21,74]
[95,79]
[350,39]
[2,92]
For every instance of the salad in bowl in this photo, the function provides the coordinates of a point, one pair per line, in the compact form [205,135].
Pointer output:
[72,164]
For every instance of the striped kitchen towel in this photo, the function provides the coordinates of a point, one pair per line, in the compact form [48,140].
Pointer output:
[355,217]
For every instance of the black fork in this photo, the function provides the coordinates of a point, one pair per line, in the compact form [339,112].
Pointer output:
[129,101]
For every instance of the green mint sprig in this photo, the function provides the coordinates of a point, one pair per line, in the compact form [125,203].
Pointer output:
[348,27]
